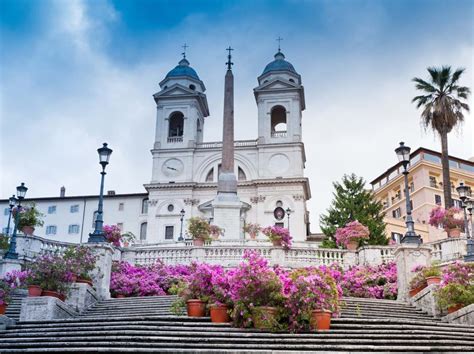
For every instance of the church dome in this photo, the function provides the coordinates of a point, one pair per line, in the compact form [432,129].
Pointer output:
[183,69]
[279,64]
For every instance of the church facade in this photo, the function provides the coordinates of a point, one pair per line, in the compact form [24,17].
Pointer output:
[270,169]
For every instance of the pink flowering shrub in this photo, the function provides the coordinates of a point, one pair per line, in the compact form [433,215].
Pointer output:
[311,289]
[457,285]
[253,283]
[447,218]
[277,233]
[379,282]
[11,281]
[353,230]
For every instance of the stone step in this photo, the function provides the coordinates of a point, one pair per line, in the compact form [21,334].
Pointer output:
[232,347]
[367,314]
[12,336]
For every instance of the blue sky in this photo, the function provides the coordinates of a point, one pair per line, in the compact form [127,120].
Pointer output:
[77,73]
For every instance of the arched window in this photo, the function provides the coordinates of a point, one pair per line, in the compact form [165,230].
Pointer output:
[143,231]
[210,175]
[176,125]
[145,206]
[278,121]
[241,174]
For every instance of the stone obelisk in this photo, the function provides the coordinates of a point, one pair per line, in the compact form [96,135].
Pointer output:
[226,205]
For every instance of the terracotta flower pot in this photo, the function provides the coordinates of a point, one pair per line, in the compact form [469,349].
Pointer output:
[3,308]
[454,308]
[198,242]
[433,280]
[120,296]
[219,313]
[84,281]
[28,230]
[352,245]
[196,308]
[276,243]
[264,316]
[53,294]
[321,320]
[253,235]
[415,291]
[454,232]
[34,290]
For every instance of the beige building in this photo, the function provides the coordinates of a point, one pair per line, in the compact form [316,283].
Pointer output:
[426,191]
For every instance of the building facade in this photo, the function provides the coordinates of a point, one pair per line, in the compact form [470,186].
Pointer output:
[269,169]
[426,191]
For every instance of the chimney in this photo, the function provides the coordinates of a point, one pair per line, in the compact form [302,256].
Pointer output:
[110,192]
[62,192]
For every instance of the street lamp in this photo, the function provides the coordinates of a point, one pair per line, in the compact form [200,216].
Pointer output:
[11,202]
[403,154]
[20,192]
[469,207]
[288,211]
[98,234]
[180,238]
[464,193]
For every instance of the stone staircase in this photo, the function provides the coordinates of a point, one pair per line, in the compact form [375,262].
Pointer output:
[146,325]
[14,307]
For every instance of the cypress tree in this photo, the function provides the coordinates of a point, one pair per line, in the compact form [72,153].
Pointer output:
[353,202]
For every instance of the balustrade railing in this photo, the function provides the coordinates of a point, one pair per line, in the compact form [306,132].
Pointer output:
[218,144]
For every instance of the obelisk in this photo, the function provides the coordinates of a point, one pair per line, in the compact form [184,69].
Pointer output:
[226,205]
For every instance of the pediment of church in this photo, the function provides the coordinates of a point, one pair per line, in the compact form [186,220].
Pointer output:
[277,84]
[176,90]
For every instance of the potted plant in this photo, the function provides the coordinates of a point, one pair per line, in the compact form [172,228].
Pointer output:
[80,261]
[418,282]
[450,219]
[256,291]
[220,300]
[199,229]
[314,297]
[252,230]
[197,289]
[114,235]
[215,232]
[4,296]
[279,236]
[127,238]
[53,275]
[4,242]
[28,218]
[33,283]
[432,274]
[457,287]
[351,234]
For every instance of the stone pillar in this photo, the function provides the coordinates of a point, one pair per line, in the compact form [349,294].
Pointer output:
[81,296]
[407,256]
[103,269]
[7,265]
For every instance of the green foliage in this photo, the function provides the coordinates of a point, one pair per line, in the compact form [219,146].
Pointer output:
[30,216]
[4,242]
[199,228]
[353,202]
[453,294]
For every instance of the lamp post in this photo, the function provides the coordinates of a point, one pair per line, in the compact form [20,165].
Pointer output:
[20,192]
[403,154]
[464,193]
[11,202]
[98,234]
[288,211]
[469,207]
[180,238]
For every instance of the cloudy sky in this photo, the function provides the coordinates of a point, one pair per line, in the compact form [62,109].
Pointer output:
[77,73]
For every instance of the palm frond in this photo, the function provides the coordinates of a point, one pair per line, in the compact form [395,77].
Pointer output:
[456,75]
[423,85]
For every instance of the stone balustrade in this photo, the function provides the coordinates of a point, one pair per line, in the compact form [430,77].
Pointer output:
[229,253]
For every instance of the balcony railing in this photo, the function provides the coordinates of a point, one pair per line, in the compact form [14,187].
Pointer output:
[279,134]
[175,139]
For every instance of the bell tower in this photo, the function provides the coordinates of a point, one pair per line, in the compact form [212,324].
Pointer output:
[280,102]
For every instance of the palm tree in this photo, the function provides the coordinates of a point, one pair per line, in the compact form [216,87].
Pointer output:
[442,111]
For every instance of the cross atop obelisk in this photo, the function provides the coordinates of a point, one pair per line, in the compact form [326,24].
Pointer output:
[226,205]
